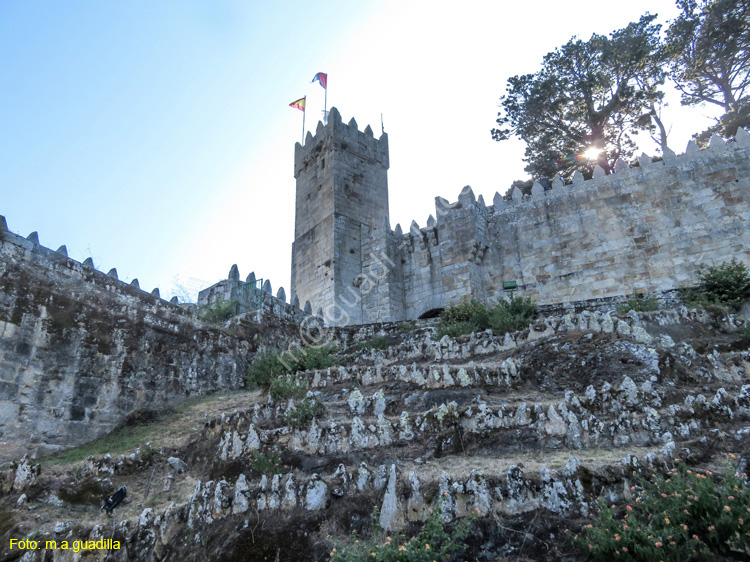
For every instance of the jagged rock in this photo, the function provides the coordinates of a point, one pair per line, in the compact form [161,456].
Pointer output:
[555,425]
[26,473]
[316,496]
[357,403]
[390,511]
[177,464]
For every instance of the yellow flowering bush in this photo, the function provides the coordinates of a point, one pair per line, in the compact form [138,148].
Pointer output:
[683,516]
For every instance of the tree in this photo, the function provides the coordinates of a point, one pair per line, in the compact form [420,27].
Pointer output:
[708,47]
[589,96]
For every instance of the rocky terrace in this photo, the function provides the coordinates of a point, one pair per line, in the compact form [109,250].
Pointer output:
[530,429]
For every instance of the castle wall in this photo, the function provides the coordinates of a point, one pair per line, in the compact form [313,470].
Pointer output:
[644,228]
[79,350]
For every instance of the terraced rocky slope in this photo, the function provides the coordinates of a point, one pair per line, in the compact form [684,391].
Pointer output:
[530,429]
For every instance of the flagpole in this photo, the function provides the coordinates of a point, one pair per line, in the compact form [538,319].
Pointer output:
[304,112]
[325,103]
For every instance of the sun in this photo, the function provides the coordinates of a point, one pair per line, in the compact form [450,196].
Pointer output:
[592,153]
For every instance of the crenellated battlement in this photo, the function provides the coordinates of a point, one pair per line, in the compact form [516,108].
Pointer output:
[339,136]
[640,228]
[59,258]
[717,155]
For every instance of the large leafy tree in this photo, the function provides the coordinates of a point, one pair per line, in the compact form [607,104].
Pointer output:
[708,46]
[588,95]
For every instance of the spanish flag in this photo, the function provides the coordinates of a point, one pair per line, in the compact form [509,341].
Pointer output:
[299,104]
[321,77]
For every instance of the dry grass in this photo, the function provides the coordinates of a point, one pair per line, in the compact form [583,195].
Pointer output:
[173,428]
[533,461]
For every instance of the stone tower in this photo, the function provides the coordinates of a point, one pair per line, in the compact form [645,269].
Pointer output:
[339,261]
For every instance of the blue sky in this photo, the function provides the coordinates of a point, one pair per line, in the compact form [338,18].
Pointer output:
[156,137]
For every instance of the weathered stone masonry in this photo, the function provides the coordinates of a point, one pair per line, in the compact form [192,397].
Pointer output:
[80,349]
[646,228]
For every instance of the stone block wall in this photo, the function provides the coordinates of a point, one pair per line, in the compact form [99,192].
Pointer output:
[342,202]
[79,350]
[646,228]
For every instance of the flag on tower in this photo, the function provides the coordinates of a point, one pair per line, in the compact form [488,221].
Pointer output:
[299,104]
[322,77]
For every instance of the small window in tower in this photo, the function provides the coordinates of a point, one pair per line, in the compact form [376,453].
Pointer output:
[322,163]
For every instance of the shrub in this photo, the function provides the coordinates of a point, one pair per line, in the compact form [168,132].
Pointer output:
[264,370]
[455,330]
[221,311]
[728,283]
[303,413]
[287,386]
[378,342]
[683,516]
[435,541]
[267,461]
[513,314]
[472,311]
[473,315]
[639,303]
[267,367]
[744,336]
[317,358]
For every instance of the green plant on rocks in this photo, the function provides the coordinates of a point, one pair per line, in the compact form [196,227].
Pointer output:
[221,311]
[686,515]
[303,412]
[267,367]
[267,460]
[434,541]
[264,370]
[288,386]
[473,315]
[725,284]
[378,342]
[638,302]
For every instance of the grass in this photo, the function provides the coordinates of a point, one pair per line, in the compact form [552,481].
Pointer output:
[171,427]
[378,342]
[638,302]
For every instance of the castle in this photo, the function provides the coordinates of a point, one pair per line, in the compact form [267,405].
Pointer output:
[79,349]
[640,229]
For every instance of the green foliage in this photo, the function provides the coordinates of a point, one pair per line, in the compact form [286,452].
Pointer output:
[288,386]
[593,93]
[708,46]
[473,315]
[744,336]
[406,326]
[317,358]
[513,314]
[456,329]
[435,541]
[685,516]
[378,342]
[639,303]
[303,413]
[473,311]
[267,461]
[726,284]
[221,311]
[267,367]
